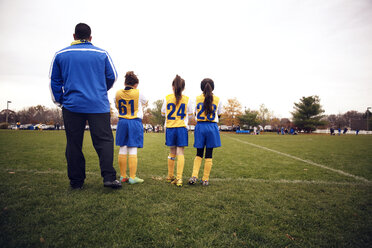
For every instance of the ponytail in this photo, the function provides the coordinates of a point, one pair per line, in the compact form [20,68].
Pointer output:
[131,78]
[178,86]
[207,86]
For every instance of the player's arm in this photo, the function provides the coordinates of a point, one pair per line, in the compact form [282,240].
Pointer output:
[219,109]
[163,111]
[142,99]
[190,108]
[56,82]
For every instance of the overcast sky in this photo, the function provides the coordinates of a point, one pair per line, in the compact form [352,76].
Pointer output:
[270,52]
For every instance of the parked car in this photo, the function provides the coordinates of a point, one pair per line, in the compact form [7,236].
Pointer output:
[226,128]
[27,127]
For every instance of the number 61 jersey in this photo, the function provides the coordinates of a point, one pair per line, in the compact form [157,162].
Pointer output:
[129,103]
[200,110]
[176,115]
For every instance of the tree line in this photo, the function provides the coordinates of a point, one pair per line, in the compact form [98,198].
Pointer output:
[306,116]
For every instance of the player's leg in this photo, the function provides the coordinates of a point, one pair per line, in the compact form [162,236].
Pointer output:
[213,141]
[207,166]
[122,160]
[74,128]
[122,141]
[199,144]
[196,167]
[135,140]
[171,163]
[132,161]
[170,141]
[180,164]
[181,141]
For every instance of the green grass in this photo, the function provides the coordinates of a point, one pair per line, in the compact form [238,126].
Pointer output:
[256,197]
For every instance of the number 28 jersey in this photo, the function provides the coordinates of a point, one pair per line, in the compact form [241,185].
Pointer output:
[176,115]
[200,110]
[129,103]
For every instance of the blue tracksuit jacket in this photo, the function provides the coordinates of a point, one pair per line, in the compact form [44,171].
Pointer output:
[80,76]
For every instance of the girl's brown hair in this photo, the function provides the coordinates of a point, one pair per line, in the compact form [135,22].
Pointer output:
[131,78]
[179,86]
[207,86]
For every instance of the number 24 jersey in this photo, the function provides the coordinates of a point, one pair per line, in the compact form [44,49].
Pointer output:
[176,115]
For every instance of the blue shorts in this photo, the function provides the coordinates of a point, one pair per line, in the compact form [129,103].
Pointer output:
[206,134]
[129,132]
[176,136]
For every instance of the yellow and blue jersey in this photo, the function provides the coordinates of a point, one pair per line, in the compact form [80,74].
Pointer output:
[200,110]
[129,103]
[176,115]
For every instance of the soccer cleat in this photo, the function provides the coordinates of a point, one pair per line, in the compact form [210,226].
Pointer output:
[170,179]
[124,179]
[205,182]
[135,180]
[193,180]
[112,184]
[177,182]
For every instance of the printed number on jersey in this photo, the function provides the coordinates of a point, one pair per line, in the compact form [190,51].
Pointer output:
[200,110]
[180,112]
[123,107]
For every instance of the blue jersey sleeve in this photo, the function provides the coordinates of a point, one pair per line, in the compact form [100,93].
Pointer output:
[56,82]
[110,72]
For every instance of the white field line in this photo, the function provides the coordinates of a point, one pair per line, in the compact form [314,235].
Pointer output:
[303,160]
[284,181]
[162,178]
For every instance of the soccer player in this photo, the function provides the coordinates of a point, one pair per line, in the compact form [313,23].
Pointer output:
[129,132]
[206,134]
[176,109]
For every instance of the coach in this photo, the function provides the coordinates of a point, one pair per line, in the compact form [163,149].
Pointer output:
[80,76]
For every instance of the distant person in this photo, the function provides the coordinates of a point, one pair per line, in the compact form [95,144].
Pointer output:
[282,130]
[206,135]
[18,125]
[357,131]
[339,131]
[129,132]
[177,109]
[345,130]
[332,130]
[81,75]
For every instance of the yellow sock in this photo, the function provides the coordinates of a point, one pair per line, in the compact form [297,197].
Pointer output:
[196,168]
[123,164]
[132,161]
[180,165]
[207,168]
[171,162]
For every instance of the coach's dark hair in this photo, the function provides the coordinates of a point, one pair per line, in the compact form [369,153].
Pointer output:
[131,78]
[179,86]
[207,86]
[82,31]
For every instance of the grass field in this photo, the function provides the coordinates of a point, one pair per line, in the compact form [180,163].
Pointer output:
[265,191]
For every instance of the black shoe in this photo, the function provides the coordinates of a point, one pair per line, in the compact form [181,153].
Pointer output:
[76,187]
[113,184]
